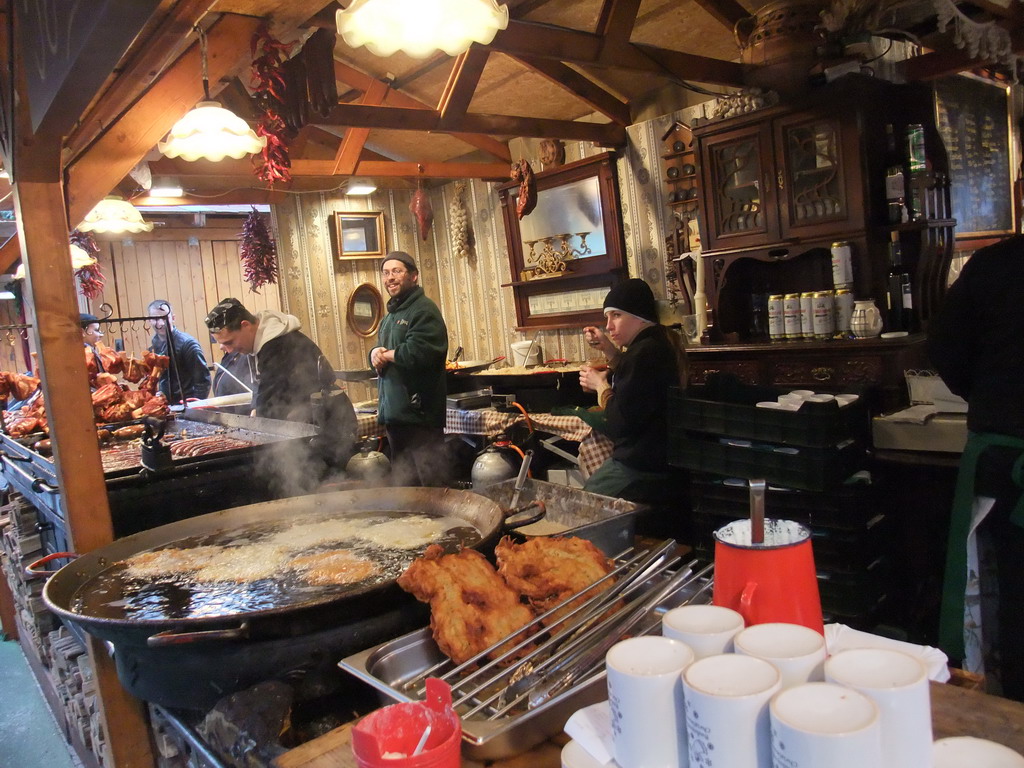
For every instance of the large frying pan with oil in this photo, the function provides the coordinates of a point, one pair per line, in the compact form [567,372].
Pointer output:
[297,611]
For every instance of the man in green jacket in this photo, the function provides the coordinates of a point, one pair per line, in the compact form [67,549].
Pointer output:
[409,359]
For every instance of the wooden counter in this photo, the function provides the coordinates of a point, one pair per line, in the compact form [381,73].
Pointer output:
[955,712]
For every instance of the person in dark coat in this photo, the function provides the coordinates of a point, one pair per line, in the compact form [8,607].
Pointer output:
[290,366]
[412,344]
[235,374]
[91,336]
[976,343]
[188,376]
[645,359]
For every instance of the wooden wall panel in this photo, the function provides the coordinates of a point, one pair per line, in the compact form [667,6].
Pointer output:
[190,272]
[12,342]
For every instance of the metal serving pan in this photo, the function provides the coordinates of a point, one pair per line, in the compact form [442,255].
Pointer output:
[607,522]
[493,727]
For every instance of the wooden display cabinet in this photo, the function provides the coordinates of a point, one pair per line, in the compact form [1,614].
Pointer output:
[778,187]
[781,184]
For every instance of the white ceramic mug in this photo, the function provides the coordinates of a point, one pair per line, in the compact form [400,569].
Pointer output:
[898,684]
[822,725]
[969,752]
[645,695]
[727,710]
[707,629]
[797,651]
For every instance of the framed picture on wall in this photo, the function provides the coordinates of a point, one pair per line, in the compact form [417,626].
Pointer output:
[359,235]
[974,120]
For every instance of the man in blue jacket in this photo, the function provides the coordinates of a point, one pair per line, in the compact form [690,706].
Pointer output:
[189,376]
[412,345]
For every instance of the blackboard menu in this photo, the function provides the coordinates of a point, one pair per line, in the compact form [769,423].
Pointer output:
[972,116]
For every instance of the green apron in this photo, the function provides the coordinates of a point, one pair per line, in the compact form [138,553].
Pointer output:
[951,618]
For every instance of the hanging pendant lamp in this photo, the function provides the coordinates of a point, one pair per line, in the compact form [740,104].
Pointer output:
[209,131]
[420,27]
[114,214]
[79,259]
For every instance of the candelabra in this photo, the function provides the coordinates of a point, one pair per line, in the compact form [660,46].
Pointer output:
[552,259]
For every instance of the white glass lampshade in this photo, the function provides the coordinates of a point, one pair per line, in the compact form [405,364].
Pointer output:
[114,214]
[420,27]
[211,132]
[79,259]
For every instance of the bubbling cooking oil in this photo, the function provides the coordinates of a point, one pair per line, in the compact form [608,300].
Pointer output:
[246,570]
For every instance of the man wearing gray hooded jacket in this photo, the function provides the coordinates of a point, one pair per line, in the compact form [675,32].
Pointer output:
[290,366]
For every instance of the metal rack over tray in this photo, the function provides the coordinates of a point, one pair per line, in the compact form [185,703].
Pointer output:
[508,704]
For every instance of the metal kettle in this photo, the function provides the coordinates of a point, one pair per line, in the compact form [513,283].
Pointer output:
[495,463]
[368,464]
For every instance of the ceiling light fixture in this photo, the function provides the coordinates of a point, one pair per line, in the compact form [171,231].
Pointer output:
[79,259]
[360,188]
[420,27]
[114,214]
[166,190]
[209,131]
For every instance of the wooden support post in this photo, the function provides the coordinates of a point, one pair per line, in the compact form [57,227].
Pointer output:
[43,231]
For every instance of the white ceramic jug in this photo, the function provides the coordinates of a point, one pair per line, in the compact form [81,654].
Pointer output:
[866,322]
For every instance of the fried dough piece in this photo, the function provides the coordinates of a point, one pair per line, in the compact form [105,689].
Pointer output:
[471,608]
[335,566]
[546,571]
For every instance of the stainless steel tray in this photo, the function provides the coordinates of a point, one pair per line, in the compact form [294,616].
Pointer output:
[494,727]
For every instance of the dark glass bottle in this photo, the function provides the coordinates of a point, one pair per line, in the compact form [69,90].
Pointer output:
[895,183]
[899,302]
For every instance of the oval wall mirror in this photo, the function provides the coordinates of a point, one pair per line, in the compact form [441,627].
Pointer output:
[365,310]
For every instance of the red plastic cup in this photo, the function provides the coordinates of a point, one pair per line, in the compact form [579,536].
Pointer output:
[770,582]
[388,737]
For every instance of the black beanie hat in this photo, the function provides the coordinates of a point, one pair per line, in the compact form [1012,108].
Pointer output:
[401,256]
[634,297]
[85,319]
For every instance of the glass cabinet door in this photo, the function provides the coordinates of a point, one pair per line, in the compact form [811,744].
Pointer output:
[739,202]
[810,178]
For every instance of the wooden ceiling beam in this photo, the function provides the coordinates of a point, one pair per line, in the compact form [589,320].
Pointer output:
[169,40]
[402,119]
[361,81]
[586,90]
[617,19]
[949,60]
[525,39]
[10,252]
[726,12]
[396,169]
[108,160]
[461,85]
[352,144]
[702,69]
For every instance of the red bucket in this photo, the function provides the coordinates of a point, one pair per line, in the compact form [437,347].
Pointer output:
[388,737]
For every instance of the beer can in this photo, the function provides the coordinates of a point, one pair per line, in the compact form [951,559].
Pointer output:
[824,315]
[915,148]
[776,325]
[844,311]
[807,315]
[791,316]
[842,264]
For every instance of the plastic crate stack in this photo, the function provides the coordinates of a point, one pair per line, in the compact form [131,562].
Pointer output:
[814,461]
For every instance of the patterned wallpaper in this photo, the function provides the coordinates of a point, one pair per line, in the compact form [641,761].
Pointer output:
[479,313]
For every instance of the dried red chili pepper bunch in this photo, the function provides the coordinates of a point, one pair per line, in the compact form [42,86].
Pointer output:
[90,277]
[258,253]
[273,164]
